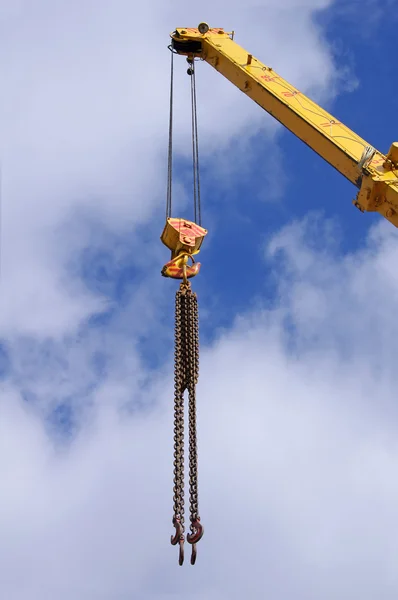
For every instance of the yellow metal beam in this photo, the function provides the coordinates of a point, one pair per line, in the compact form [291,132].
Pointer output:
[375,174]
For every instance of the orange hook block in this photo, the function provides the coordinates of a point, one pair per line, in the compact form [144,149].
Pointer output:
[180,235]
[178,267]
[184,239]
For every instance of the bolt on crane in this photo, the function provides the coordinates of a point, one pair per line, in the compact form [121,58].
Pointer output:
[374,174]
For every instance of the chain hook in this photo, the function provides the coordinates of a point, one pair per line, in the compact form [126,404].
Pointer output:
[181,553]
[178,538]
[193,555]
[194,537]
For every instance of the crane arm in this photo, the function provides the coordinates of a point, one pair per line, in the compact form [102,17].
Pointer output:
[375,174]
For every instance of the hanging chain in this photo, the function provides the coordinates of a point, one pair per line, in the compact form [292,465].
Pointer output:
[186,378]
[196,527]
[179,380]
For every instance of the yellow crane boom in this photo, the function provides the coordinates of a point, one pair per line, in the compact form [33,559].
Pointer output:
[375,174]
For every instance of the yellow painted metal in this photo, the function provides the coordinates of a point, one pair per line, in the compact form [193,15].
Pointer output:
[372,172]
[178,268]
[184,238]
[392,156]
[181,235]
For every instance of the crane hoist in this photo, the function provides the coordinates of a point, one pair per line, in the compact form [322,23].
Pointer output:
[374,174]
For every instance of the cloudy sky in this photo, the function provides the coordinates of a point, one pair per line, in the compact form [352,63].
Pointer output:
[297,295]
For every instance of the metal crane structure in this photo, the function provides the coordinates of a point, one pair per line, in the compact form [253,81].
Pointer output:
[372,172]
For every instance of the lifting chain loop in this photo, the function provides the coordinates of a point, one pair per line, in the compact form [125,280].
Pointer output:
[179,376]
[186,372]
[193,358]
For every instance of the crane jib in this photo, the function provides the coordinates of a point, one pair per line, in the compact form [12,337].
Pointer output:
[376,174]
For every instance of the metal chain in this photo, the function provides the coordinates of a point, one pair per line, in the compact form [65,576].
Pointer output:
[196,527]
[186,378]
[193,352]
[179,383]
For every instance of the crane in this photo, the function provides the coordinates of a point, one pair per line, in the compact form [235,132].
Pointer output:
[374,174]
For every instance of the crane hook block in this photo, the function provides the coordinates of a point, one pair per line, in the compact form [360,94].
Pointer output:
[178,267]
[184,239]
[182,235]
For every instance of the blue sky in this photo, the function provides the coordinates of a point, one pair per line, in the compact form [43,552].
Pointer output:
[297,297]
